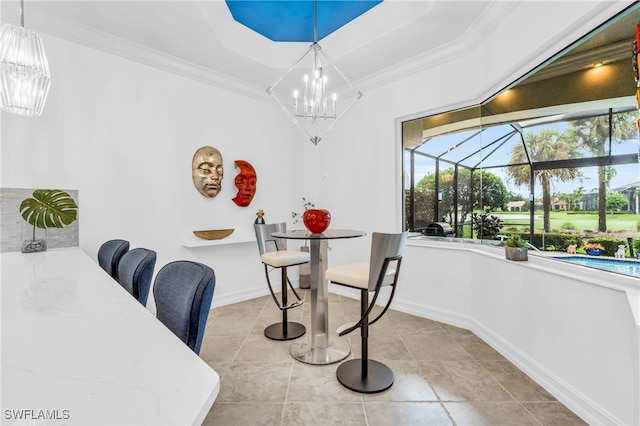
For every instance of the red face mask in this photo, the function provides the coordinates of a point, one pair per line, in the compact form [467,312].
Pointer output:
[246,183]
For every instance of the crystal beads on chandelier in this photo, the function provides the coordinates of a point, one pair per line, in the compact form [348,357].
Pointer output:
[24,71]
[309,90]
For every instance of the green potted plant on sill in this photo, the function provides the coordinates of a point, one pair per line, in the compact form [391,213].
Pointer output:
[48,208]
[516,248]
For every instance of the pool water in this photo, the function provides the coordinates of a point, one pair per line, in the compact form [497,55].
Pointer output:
[620,266]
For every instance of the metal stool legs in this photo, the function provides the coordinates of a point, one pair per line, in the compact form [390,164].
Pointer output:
[284,330]
[364,375]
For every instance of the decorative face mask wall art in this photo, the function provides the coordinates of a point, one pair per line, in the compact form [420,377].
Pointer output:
[246,183]
[207,171]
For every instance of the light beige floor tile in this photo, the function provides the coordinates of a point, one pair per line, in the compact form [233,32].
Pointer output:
[230,326]
[434,346]
[462,380]
[553,413]
[509,413]
[452,329]
[382,347]
[262,323]
[318,383]
[408,385]
[256,348]
[442,374]
[255,382]
[410,324]
[250,308]
[516,382]
[244,414]
[406,413]
[477,348]
[220,348]
[324,414]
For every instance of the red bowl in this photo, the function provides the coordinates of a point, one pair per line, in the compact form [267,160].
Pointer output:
[316,220]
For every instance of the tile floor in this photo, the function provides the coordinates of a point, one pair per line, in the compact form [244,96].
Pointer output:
[443,375]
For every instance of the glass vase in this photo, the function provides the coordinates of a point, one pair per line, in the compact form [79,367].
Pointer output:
[34,239]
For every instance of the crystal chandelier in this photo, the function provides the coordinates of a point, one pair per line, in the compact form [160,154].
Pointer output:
[308,92]
[24,71]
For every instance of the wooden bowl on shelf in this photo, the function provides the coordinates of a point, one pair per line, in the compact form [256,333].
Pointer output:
[213,234]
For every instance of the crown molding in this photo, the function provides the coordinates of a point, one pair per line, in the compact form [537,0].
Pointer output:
[456,49]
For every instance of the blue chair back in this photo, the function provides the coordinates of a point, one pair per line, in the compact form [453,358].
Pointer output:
[183,291]
[109,255]
[135,271]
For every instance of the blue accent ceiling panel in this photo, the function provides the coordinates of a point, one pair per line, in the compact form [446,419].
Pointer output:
[292,20]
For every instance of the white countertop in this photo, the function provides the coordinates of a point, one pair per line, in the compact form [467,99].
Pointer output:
[77,348]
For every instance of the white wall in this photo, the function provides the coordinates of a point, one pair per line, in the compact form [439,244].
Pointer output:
[124,135]
[574,330]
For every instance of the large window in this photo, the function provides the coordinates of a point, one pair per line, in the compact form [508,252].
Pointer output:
[541,164]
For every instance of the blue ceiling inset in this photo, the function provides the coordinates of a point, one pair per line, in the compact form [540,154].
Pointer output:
[290,20]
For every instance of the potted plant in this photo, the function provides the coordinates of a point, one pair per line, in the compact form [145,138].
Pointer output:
[593,249]
[306,205]
[516,248]
[48,208]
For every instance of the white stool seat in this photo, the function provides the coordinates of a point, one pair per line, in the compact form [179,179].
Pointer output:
[356,275]
[279,259]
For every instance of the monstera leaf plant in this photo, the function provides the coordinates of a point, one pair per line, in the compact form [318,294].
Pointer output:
[48,208]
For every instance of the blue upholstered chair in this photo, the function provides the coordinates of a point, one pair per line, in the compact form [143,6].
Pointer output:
[135,271]
[109,255]
[274,255]
[183,291]
[365,375]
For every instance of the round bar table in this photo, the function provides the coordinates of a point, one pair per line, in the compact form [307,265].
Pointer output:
[319,349]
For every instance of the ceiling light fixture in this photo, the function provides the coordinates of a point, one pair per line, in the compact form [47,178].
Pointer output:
[310,106]
[24,71]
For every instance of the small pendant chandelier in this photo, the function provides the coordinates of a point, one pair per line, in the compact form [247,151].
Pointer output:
[24,71]
[304,91]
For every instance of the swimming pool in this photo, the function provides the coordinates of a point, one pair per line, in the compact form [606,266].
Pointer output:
[620,266]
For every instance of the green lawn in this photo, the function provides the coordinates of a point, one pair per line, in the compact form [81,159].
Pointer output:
[581,221]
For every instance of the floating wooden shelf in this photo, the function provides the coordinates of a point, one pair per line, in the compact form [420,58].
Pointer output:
[193,241]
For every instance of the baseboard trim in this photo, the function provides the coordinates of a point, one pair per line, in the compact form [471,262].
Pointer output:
[575,401]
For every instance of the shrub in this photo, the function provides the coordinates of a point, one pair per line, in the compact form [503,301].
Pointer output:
[486,225]
[610,245]
[569,226]
[559,241]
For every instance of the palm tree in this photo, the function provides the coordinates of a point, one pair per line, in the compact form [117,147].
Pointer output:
[544,145]
[593,132]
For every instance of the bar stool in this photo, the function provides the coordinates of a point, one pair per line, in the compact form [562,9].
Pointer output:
[274,254]
[365,375]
